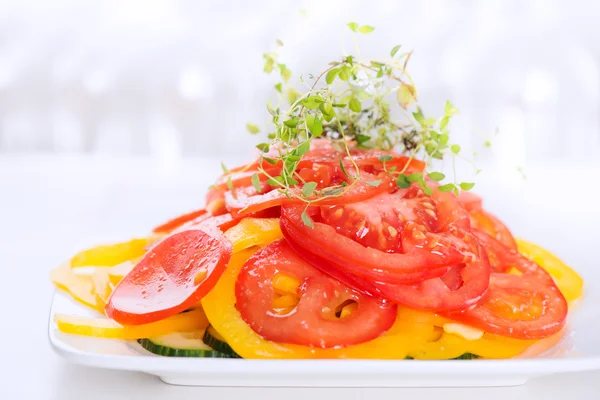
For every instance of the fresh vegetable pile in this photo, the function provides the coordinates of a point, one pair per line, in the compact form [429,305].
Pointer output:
[339,241]
[378,272]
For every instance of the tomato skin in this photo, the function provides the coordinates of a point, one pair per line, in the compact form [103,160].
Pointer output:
[529,291]
[243,205]
[175,223]
[430,251]
[493,226]
[169,278]
[533,288]
[313,321]
[447,293]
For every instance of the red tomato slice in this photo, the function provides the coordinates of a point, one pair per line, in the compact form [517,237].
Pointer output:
[243,178]
[490,224]
[519,307]
[527,306]
[242,205]
[430,254]
[172,277]
[177,222]
[470,201]
[460,288]
[313,322]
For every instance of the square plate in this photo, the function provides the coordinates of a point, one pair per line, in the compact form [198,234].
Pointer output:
[550,220]
[578,351]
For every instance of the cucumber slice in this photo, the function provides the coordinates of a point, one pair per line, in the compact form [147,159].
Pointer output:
[212,339]
[184,344]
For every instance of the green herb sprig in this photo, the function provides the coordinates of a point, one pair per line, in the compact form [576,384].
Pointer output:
[368,103]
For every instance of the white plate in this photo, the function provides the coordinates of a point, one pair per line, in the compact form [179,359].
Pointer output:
[579,351]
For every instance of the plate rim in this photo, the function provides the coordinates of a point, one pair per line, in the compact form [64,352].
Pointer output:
[160,365]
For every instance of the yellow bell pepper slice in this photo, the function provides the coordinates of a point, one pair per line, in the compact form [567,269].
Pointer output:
[254,232]
[106,328]
[568,281]
[80,287]
[111,254]
[219,305]
[118,272]
[102,287]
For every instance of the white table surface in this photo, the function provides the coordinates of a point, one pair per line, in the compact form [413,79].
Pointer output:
[51,207]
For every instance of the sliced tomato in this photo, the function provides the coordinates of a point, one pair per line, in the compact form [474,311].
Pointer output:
[313,321]
[374,158]
[519,307]
[470,201]
[490,224]
[172,277]
[459,288]
[175,223]
[243,178]
[344,253]
[427,250]
[525,306]
[361,190]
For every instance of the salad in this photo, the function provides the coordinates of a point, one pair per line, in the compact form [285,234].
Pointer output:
[339,240]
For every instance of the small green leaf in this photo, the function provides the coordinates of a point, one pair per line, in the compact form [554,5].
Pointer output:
[395,50]
[416,177]
[444,123]
[224,168]
[313,102]
[428,191]
[467,185]
[455,148]
[333,192]
[379,73]
[286,73]
[314,124]
[229,184]
[345,73]
[436,176]
[276,181]
[270,160]
[252,128]
[487,143]
[292,122]
[361,139]
[256,183]
[279,42]
[291,181]
[279,87]
[339,105]
[446,188]
[292,95]
[402,181]
[303,148]
[355,104]
[331,75]
[307,220]
[406,95]
[264,147]
[449,109]
[419,117]
[374,183]
[385,158]
[353,26]
[309,188]
[343,168]
[366,29]
[271,111]
[327,110]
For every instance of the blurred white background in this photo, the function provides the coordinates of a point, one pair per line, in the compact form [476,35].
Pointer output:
[171,79]
[114,116]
